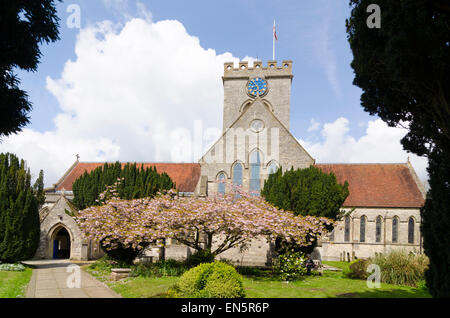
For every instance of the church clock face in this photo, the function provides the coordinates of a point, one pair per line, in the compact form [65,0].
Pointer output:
[257,87]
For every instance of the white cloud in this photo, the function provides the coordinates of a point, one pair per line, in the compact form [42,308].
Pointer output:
[132,94]
[314,125]
[144,13]
[380,144]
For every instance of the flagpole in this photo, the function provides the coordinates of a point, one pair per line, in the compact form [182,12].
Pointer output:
[273,39]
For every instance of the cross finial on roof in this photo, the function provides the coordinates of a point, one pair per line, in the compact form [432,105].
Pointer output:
[78,157]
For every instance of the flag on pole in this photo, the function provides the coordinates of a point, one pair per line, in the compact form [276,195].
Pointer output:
[274,31]
[274,38]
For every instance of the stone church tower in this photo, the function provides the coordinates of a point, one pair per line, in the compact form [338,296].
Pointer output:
[256,139]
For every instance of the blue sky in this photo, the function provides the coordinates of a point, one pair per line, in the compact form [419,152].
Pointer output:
[326,115]
[311,33]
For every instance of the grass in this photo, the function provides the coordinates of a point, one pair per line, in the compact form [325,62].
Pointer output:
[13,284]
[331,284]
[338,264]
[133,287]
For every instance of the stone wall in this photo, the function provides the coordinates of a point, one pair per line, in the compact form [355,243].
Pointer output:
[334,249]
[258,253]
[57,216]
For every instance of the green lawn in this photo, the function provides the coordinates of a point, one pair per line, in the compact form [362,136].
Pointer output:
[331,284]
[338,264]
[13,284]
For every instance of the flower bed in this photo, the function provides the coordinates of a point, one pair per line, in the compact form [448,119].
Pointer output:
[12,267]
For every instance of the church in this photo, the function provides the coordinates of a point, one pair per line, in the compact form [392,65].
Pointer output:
[384,200]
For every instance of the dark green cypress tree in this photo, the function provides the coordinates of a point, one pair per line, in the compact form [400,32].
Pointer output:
[19,210]
[305,192]
[39,188]
[436,223]
[138,182]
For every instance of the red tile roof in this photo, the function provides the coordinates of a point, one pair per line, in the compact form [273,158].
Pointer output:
[185,175]
[370,185]
[377,185]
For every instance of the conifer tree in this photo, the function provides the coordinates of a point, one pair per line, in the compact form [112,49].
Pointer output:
[137,182]
[305,192]
[19,210]
[403,69]
[39,188]
[435,220]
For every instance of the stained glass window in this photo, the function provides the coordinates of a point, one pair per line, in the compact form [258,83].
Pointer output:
[255,175]
[395,230]
[411,230]
[362,229]
[378,229]
[347,229]
[257,87]
[237,174]
[221,183]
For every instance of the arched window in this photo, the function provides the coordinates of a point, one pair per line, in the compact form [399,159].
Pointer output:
[378,229]
[237,174]
[221,183]
[347,229]
[362,229]
[273,167]
[411,230]
[255,172]
[395,229]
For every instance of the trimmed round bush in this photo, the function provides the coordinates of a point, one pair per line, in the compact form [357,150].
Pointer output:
[210,280]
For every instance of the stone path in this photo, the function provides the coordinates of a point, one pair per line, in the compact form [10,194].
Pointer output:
[62,279]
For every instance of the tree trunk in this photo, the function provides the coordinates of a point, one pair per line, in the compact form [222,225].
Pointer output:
[209,241]
[162,250]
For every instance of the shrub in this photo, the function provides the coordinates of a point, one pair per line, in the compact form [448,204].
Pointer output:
[400,268]
[397,267]
[209,280]
[357,269]
[249,271]
[290,266]
[105,264]
[123,256]
[199,257]
[159,269]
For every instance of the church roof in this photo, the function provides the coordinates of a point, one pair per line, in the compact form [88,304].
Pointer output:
[370,185]
[378,185]
[185,175]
